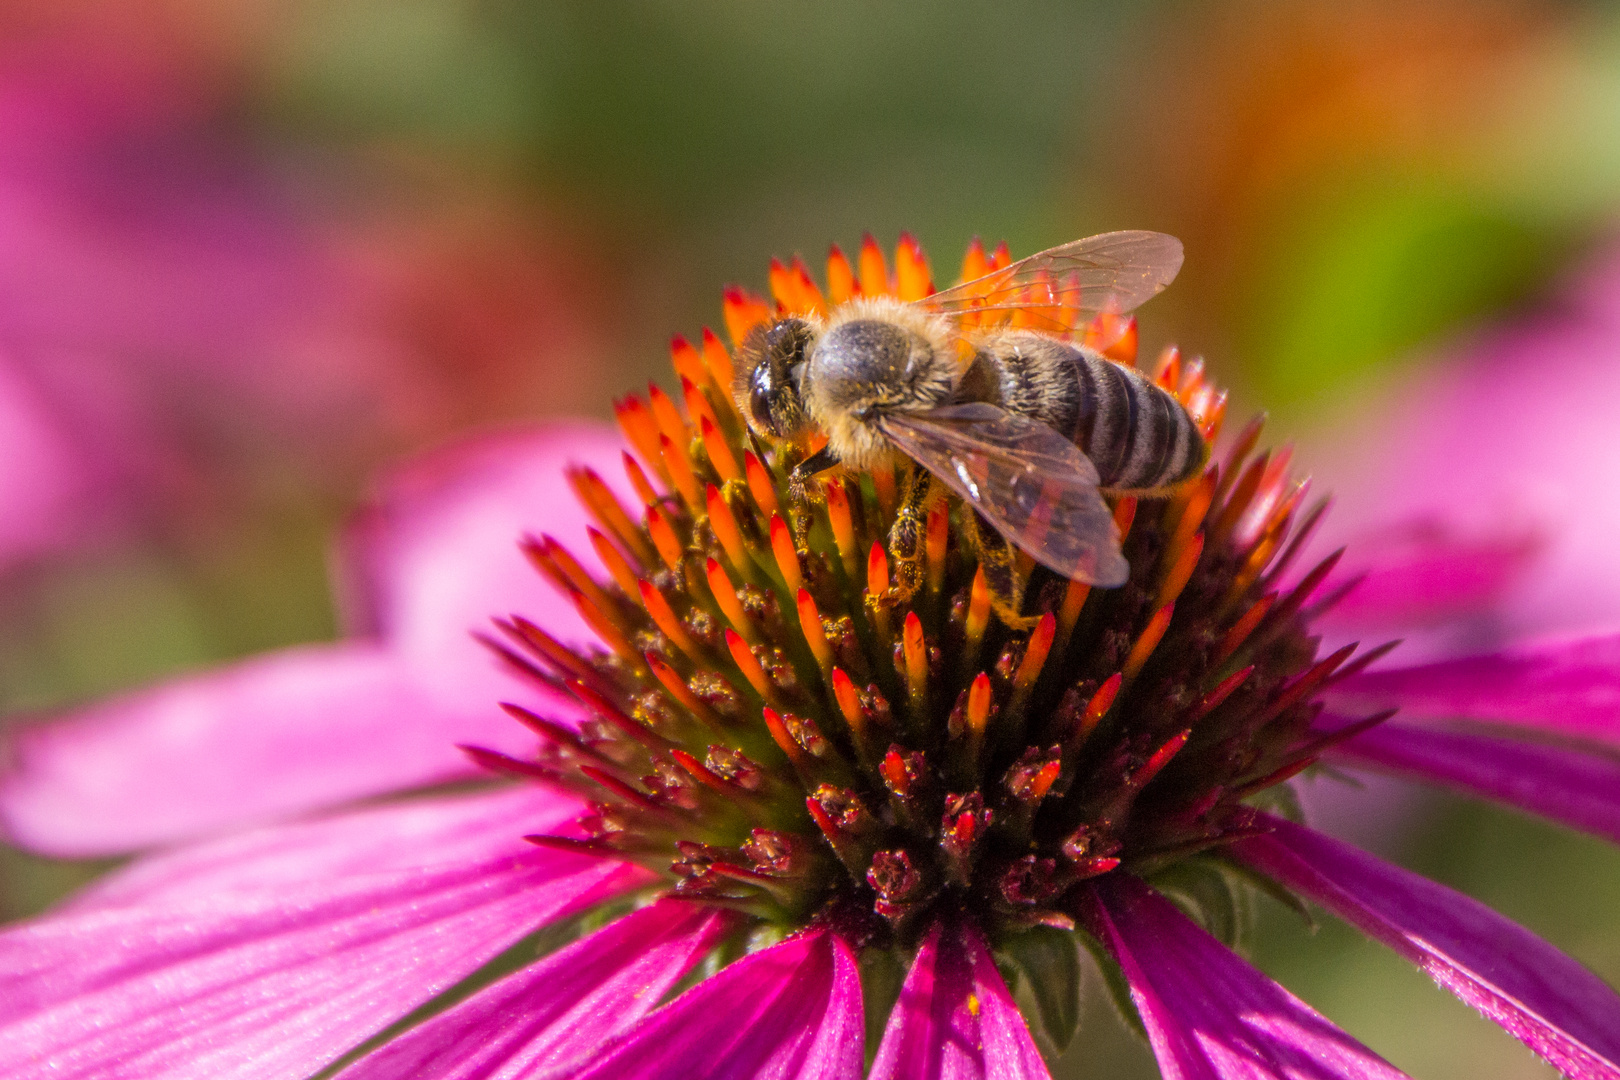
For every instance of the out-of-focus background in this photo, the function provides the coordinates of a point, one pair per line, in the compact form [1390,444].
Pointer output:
[251,251]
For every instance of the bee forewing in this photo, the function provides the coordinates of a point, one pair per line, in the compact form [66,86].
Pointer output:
[1031,483]
[1112,272]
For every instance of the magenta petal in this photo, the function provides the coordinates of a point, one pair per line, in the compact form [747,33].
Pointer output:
[414,835]
[790,1012]
[554,1014]
[1570,686]
[1568,785]
[955,1019]
[1546,1000]
[281,733]
[268,984]
[437,555]
[1208,1014]
[1422,574]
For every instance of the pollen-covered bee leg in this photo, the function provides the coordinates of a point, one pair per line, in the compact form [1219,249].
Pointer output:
[908,532]
[799,478]
[801,496]
[1000,564]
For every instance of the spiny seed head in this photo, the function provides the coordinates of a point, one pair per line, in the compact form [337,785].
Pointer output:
[772,732]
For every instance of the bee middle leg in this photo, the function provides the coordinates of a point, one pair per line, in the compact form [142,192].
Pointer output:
[1000,565]
[907,534]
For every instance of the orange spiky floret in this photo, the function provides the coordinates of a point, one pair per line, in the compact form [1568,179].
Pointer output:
[975,264]
[913,280]
[841,283]
[735,614]
[687,361]
[874,271]
[743,311]
[718,362]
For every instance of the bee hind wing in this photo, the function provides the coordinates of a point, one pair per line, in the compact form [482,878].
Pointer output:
[1031,483]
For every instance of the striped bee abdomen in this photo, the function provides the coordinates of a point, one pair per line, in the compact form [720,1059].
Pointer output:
[1136,434]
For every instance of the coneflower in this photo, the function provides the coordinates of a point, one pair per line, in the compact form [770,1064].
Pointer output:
[832,818]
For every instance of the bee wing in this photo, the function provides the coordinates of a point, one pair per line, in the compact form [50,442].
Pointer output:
[1113,272]
[1031,483]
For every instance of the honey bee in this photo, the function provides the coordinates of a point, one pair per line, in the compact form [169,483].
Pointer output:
[1029,428]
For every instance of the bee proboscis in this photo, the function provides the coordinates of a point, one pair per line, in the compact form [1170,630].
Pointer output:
[1028,427]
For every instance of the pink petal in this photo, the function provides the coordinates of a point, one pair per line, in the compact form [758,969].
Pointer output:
[555,1014]
[1208,1014]
[789,1012]
[1499,431]
[318,725]
[1569,785]
[1546,1000]
[1421,574]
[285,732]
[436,557]
[414,835]
[1568,686]
[267,984]
[955,1019]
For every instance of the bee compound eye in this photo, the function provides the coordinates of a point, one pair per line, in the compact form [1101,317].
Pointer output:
[759,400]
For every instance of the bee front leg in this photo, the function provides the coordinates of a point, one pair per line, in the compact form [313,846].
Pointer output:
[907,533]
[799,477]
[800,495]
[1000,566]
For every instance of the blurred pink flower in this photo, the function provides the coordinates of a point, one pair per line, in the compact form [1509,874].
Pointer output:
[1504,442]
[275,951]
[157,273]
[187,307]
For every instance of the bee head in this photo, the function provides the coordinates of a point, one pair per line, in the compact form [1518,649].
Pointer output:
[773,363]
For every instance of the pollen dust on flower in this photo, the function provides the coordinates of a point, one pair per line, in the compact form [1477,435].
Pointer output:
[770,736]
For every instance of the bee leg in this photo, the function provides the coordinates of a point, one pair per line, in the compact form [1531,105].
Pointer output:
[801,496]
[1000,566]
[799,477]
[907,533]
